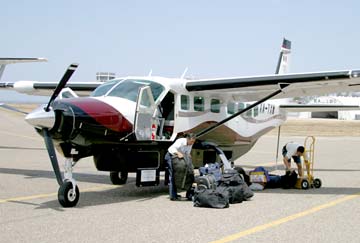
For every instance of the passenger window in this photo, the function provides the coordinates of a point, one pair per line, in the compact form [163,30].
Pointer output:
[241,106]
[231,108]
[198,103]
[215,106]
[256,111]
[249,112]
[185,104]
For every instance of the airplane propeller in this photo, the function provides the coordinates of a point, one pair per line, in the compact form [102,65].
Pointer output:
[69,72]
[68,194]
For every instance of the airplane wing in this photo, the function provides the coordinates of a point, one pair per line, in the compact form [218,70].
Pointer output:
[301,84]
[47,88]
[10,60]
[318,108]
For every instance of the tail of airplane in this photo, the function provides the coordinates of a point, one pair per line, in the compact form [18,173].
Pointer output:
[283,63]
[5,61]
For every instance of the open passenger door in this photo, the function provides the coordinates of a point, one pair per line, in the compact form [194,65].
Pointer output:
[145,124]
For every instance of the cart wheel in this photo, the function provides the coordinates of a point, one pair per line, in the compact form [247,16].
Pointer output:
[304,184]
[317,183]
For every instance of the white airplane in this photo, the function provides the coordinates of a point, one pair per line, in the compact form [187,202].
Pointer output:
[128,123]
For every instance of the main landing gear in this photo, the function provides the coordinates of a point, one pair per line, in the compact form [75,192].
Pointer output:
[118,177]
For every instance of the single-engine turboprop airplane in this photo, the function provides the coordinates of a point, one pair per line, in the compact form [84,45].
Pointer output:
[127,124]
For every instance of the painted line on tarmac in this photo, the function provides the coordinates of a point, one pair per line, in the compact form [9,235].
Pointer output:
[285,220]
[21,136]
[38,196]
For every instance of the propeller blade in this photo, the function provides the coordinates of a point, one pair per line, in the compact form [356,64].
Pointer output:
[52,154]
[71,69]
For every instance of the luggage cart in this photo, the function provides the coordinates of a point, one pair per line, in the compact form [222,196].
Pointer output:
[308,180]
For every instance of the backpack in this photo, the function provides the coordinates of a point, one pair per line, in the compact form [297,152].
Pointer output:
[207,181]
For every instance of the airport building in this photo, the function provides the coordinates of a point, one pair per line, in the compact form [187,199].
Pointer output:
[104,76]
[334,100]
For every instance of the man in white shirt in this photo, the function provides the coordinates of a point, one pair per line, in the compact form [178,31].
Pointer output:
[295,151]
[180,148]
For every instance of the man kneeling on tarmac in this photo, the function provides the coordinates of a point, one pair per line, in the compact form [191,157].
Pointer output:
[295,151]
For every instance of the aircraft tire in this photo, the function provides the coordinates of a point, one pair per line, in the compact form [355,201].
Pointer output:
[118,177]
[66,195]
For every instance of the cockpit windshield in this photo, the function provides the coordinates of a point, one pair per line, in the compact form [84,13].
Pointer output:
[104,88]
[128,89]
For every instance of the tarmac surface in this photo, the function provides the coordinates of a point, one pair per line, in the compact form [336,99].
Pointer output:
[30,212]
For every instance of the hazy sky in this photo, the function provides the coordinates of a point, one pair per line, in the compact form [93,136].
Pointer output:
[212,38]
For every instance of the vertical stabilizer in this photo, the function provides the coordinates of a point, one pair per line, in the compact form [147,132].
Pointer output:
[283,63]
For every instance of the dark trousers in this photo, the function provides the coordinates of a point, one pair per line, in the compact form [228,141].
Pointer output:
[172,187]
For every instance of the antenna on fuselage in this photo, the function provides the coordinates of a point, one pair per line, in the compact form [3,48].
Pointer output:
[184,73]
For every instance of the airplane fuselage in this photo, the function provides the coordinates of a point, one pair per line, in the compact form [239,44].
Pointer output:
[107,124]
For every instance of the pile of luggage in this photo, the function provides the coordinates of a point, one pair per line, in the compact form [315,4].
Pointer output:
[218,185]
[217,189]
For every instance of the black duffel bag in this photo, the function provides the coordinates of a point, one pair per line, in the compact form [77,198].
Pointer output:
[183,170]
[238,190]
[210,198]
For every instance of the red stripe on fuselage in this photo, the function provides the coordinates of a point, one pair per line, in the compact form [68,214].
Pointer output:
[103,113]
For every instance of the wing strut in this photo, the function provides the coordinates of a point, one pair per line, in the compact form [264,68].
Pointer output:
[242,111]
[277,148]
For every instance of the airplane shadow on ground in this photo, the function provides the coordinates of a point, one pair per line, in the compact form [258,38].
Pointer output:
[30,174]
[117,194]
[125,193]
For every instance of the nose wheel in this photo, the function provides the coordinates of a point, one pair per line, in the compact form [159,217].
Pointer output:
[67,196]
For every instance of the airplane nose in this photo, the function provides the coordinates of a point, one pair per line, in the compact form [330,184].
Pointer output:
[40,118]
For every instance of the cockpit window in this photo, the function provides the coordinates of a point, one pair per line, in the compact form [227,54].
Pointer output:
[104,88]
[129,88]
